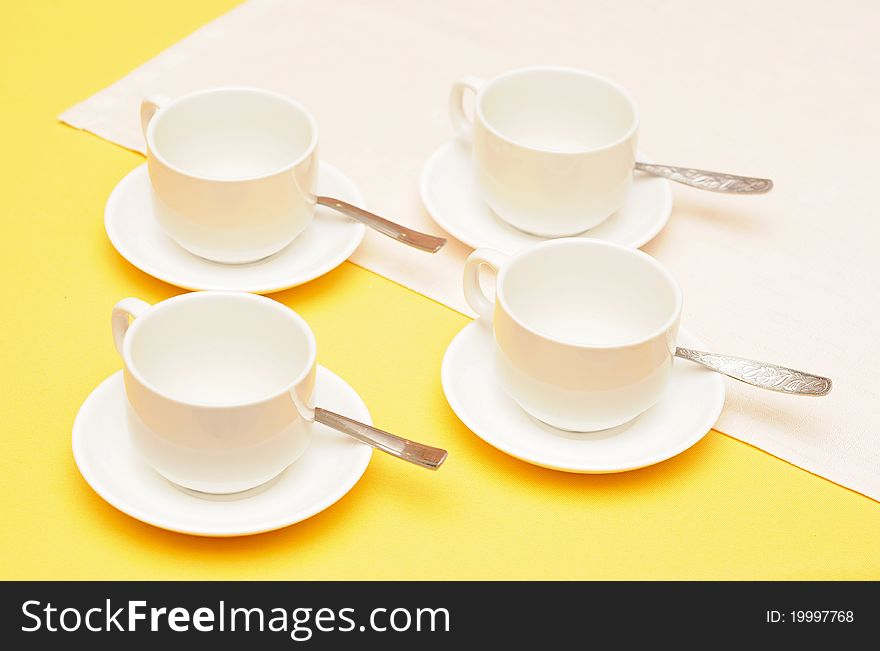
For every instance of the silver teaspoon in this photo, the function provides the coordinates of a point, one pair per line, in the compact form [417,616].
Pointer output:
[417,453]
[413,238]
[705,180]
[760,374]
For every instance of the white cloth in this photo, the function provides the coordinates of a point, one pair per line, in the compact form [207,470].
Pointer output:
[749,87]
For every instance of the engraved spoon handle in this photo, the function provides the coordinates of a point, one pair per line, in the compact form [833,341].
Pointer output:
[413,238]
[417,453]
[760,374]
[705,180]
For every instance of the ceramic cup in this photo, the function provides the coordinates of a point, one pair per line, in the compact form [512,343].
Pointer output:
[233,170]
[584,330]
[219,387]
[553,148]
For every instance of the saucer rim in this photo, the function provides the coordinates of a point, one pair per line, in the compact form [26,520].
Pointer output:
[117,240]
[430,207]
[498,443]
[94,479]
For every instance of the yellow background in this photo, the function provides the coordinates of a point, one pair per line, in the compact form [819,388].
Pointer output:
[720,510]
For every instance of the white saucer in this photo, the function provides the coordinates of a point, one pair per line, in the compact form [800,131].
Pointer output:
[450,196]
[330,467]
[691,406]
[327,243]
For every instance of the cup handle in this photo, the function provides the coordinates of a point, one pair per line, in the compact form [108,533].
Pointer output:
[460,121]
[473,292]
[123,312]
[149,106]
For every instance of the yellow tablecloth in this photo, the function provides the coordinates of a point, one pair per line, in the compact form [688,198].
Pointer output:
[720,510]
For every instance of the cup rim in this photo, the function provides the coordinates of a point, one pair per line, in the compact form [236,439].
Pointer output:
[590,242]
[478,107]
[309,150]
[131,368]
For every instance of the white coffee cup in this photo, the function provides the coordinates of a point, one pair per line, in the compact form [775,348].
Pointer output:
[219,387]
[234,170]
[554,148]
[584,330]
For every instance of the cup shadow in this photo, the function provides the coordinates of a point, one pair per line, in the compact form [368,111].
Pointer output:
[152,286]
[730,212]
[146,284]
[317,288]
[623,484]
[287,540]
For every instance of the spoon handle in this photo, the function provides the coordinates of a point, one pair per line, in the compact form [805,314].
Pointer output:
[415,239]
[417,453]
[760,374]
[705,180]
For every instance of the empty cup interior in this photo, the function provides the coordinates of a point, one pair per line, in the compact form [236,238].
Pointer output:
[557,110]
[232,134]
[220,349]
[590,293]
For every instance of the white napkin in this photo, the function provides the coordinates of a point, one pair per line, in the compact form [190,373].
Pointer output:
[747,87]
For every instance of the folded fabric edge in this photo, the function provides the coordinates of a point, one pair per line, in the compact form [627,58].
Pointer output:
[71,118]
